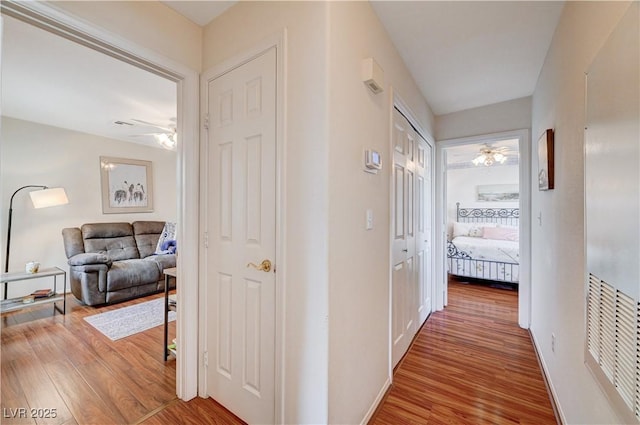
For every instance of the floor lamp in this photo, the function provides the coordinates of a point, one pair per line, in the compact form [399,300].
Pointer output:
[42,198]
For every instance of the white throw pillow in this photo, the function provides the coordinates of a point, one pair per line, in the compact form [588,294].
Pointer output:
[168,234]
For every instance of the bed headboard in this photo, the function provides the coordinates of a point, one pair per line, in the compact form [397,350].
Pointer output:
[507,216]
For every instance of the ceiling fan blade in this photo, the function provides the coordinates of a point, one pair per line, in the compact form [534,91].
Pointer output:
[150,124]
[145,134]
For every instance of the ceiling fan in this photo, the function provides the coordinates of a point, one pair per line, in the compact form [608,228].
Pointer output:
[167,137]
[489,155]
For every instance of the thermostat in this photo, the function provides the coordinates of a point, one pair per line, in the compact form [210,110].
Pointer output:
[372,161]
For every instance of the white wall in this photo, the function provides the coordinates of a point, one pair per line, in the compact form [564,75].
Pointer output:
[44,155]
[462,186]
[305,275]
[504,116]
[335,270]
[558,287]
[358,258]
[147,23]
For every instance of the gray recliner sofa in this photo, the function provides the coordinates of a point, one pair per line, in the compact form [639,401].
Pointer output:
[113,262]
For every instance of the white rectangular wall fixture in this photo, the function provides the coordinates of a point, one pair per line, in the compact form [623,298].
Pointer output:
[372,75]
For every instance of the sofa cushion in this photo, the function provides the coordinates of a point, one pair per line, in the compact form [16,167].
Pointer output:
[129,273]
[164,261]
[147,234]
[89,258]
[73,243]
[114,239]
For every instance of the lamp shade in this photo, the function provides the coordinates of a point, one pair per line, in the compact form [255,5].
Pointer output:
[48,197]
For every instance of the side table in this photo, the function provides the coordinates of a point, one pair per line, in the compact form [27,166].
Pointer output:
[168,273]
[17,304]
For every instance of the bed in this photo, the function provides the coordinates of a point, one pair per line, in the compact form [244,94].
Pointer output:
[484,244]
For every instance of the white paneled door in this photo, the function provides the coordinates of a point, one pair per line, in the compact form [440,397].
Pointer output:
[411,229]
[403,245]
[241,218]
[424,215]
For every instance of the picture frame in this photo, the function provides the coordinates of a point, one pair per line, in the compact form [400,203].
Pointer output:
[545,161]
[127,185]
[498,193]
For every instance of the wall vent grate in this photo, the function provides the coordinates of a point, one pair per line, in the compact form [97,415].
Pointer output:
[613,335]
[607,329]
[593,318]
[626,348]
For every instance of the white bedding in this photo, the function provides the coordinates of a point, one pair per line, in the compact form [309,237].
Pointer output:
[488,249]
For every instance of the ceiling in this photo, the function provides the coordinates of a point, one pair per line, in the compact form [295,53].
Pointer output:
[461,156]
[461,54]
[53,81]
[465,54]
[200,12]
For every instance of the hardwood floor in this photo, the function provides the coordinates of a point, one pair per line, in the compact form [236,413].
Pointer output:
[63,363]
[470,364]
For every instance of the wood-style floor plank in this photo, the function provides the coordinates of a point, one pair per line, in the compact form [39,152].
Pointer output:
[198,411]
[61,362]
[42,392]
[469,364]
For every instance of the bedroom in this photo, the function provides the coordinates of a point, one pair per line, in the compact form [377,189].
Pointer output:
[483,213]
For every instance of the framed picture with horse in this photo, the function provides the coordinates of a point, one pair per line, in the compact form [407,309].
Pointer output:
[127,185]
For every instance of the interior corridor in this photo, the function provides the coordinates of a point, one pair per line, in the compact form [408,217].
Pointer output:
[470,363]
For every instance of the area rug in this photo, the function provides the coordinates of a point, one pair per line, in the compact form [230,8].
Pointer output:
[126,321]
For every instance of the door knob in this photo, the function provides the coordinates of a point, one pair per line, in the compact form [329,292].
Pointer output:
[265,266]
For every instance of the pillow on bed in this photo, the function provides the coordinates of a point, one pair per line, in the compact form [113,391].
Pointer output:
[474,230]
[501,233]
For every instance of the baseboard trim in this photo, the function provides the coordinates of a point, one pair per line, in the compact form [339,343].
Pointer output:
[377,403]
[547,382]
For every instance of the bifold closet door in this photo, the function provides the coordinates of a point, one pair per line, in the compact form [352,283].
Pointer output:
[403,275]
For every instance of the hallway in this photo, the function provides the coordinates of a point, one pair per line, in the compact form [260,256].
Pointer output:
[470,364]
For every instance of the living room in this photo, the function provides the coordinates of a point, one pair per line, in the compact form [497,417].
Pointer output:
[44,144]
[112,110]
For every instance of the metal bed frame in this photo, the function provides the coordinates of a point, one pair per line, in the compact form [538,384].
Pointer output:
[462,264]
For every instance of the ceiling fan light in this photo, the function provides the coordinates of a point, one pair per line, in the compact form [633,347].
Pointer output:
[488,157]
[480,159]
[166,141]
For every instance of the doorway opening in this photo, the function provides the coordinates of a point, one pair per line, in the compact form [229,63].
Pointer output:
[58,22]
[484,214]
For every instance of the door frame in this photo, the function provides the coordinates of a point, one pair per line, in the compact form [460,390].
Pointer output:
[398,102]
[524,284]
[277,41]
[64,24]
